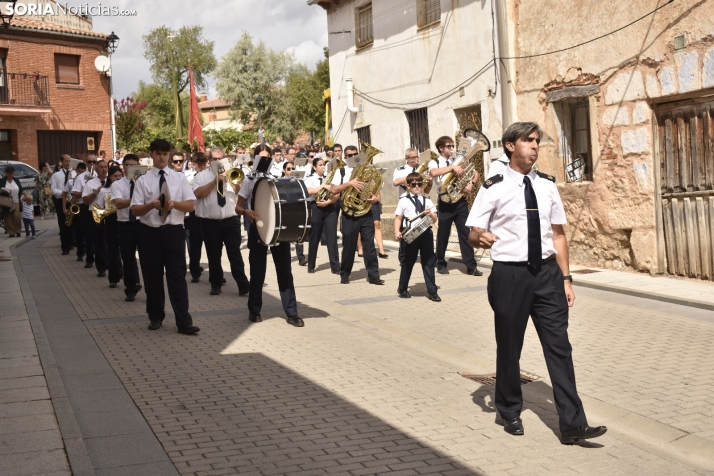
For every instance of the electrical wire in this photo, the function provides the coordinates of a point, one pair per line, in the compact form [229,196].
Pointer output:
[341,124]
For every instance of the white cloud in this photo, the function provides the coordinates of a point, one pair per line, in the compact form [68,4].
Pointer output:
[282,24]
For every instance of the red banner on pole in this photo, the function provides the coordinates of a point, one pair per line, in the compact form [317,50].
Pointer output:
[195,132]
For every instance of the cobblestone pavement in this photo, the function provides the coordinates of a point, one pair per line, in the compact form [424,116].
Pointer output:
[332,398]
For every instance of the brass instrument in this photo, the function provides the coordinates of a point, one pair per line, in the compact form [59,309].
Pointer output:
[354,202]
[89,174]
[100,214]
[423,169]
[453,185]
[73,212]
[234,175]
[324,194]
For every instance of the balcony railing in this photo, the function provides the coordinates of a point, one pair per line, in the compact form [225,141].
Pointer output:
[24,89]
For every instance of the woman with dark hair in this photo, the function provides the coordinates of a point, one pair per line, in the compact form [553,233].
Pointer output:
[324,217]
[288,168]
[111,233]
[44,191]
[13,221]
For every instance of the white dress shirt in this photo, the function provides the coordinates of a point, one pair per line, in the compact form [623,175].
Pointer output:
[407,209]
[501,209]
[93,185]
[402,172]
[190,175]
[121,189]
[147,190]
[207,207]
[313,181]
[57,181]
[498,166]
[79,183]
[338,179]
[276,168]
[439,163]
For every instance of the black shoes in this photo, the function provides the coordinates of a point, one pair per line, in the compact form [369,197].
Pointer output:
[378,282]
[89,265]
[404,294]
[223,281]
[195,279]
[311,270]
[154,325]
[336,271]
[359,255]
[302,262]
[112,285]
[254,317]
[584,432]
[295,321]
[345,280]
[215,290]
[79,258]
[65,253]
[130,298]
[244,291]
[442,270]
[101,274]
[514,426]
[189,330]
[434,297]
[383,255]
[474,272]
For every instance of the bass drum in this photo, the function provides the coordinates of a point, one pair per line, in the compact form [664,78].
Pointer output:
[282,206]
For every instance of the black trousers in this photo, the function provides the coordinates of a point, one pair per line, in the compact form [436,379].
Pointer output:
[128,241]
[195,243]
[217,233]
[324,223]
[85,227]
[164,248]
[424,244]
[111,237]
[65,231]
[299,251]
[101,254]
[258,258]
[515,292]
[450,213]
[351,228]
[77,230]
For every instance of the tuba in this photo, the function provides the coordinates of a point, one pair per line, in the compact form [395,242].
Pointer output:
[324,194]
[354,202]
[101,214]
[452,185]
[73,212]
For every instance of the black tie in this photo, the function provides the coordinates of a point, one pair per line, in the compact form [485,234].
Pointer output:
[320,180]
[132,218]
[221,199]
[162,181]
[535,252]
[419,206]
[102,181]
[66,176]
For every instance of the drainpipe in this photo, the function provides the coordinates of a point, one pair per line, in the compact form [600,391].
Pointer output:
[351,96]
[507,70]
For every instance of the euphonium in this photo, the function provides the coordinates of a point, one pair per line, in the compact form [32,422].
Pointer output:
[73,212]
[453,185]
[101,214]
[325,194]
[354,202]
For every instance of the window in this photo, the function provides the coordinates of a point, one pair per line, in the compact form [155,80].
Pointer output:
[574,138]
[67,69]
[428,12]
[364,135]
[365,35]
[21,171]
[418,129]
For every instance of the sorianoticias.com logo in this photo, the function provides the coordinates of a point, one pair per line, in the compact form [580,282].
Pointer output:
[34,9]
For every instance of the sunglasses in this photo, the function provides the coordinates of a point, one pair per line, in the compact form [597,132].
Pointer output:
[91,161]
[412,158]
[450,146]
[310,156]
[351,155]
[416,184]
[289,169]
[178,161]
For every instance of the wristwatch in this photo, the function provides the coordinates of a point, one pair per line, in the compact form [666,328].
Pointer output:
[568,278]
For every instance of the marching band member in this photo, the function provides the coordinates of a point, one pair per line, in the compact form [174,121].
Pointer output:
[177,161]
[409,206]
[399,179]
[58,180]
[288,167]
[323,218]
[376,211]
[450,213]
[353,226]
[94,193]
[67,201]
[162,238]
[111,233]
[193,225]
[122,191]
[276,168]
[84,221]
[258,255]
[220,225]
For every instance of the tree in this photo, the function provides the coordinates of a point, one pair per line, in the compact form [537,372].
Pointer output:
[170,53]
[130,123]
[160,109]
[249,70]
[304,90]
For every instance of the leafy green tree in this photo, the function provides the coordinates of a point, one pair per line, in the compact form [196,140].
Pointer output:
[160,108]
[130,122]
[170,53]
[304,90]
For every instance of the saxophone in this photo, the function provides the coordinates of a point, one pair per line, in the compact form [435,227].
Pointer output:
[354,202]
[324,194]
[452,185]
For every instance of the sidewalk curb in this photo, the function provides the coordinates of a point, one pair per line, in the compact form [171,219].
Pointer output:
[691,450]
[75,448]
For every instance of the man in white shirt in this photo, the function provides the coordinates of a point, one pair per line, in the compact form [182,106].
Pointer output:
[498,166]
[162,238]
[520,217]
[127,226]
[192,223]
[76,230]
[85,220]
[220,225]
[57,183]
[276,168]
[94,193]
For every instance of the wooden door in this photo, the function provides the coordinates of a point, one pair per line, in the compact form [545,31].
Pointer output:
[52,144]
[686,133]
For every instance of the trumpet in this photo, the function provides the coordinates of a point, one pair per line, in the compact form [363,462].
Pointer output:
[234,176]
[73,212]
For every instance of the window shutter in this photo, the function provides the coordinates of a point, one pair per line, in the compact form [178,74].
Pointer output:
[365,35]
[433,11]
[67,69]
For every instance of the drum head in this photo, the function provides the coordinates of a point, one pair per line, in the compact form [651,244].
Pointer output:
[264,206]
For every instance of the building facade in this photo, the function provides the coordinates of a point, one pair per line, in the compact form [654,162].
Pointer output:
[52,99]
[215,114]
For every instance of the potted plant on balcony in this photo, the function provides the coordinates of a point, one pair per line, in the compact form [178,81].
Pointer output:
[35,76]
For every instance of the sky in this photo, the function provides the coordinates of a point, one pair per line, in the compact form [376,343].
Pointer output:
[283,25]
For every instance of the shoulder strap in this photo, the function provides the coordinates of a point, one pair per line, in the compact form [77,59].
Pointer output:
[493,180]
[546,176]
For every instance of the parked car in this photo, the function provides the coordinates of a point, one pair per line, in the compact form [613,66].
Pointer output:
[26,175]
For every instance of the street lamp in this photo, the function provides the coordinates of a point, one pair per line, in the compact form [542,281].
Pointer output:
[112,44]
[6,19]
[260,105]
[113,41]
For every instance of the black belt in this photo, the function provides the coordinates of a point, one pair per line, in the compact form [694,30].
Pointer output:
[219,219]
[526,263]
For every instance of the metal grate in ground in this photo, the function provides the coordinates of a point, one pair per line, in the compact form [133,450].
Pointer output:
[490,379]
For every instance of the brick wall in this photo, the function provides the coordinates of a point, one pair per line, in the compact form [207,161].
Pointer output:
[83,107]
